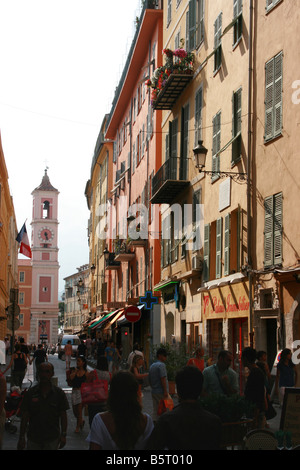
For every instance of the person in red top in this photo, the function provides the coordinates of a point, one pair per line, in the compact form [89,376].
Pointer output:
[198,360]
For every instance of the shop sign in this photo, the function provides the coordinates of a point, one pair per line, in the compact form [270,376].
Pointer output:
[229,301]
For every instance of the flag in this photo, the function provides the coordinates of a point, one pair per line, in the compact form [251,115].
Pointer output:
[22,238]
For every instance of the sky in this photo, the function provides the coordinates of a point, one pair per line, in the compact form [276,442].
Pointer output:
[60,61]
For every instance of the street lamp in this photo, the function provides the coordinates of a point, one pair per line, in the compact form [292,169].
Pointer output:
[200,153]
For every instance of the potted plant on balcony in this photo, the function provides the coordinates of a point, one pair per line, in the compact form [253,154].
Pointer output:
[178,61]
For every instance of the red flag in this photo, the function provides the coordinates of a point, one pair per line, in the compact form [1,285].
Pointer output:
[22,238]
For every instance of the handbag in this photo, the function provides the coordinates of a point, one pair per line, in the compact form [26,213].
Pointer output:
[165,405]
[94,392]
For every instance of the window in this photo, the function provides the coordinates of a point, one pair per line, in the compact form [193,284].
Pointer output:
[46,210]
[238,17]
[273,98]
[195,24]
[21,276]
[236,125]
[21,298]
[271,4]
[218,43]
[216,144]
[185,114]
[273,230]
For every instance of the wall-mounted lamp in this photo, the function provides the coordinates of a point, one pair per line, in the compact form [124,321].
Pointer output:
[200,153]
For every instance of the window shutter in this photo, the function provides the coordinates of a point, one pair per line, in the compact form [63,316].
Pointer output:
[216,144]
[192,25]
[278,228]
[198,113]
[278,94]
[219,248]
[268,234]
[201,21]
[236,125]
[206,252]
[227,245]
[269,93]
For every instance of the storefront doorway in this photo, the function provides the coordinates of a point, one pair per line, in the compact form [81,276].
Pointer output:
[240,340]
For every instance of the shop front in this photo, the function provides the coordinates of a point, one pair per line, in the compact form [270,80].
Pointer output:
[225,316]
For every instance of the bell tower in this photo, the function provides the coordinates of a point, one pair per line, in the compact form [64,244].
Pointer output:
[45,267]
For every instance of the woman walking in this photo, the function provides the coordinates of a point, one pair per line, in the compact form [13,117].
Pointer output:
[77,377]
[286,374]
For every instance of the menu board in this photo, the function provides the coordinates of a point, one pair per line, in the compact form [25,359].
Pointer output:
[290,416]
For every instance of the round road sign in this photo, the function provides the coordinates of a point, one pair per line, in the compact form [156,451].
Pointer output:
[132,313]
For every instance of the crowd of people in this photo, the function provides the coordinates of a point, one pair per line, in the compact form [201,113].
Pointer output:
[118,421]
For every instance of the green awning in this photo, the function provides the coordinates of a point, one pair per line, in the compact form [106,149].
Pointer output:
[166,284]
[102,320]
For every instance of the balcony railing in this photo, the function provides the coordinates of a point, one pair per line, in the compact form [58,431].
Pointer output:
[123,252]
[170,180]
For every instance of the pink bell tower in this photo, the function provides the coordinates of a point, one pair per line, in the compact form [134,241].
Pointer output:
[45,267]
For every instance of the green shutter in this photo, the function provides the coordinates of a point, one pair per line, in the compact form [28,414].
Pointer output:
[192,25]
[278,229]
[269,93]
[219,248]
[206,252]
[227,245]
[216,144]
[268,234]
[273,97]
[278,94]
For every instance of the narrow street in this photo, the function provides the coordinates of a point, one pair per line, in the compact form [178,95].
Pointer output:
[74,441]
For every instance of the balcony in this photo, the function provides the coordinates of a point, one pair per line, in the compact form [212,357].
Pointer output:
[174,87]
[123,252]
[111,263]
[169,181]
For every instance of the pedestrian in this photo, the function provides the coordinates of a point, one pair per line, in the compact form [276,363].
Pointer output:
[89,346]
[123,426]
[136,350]
[39,356]
[255,390]
[68,354]
[44,414]
[188,426]
[101,372]
[24,349]
[78,376]
[158,380]
[135,369]
[286,375]
[198,359]
[3,390]
[100,347]
[110,352]
[82,349]
[19,364]
[220,378]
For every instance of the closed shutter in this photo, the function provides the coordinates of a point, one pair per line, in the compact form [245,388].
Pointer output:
[278,228]
[216,144]
[269,93]
[219,248]
[192,25]
[273,97]
[198,114]
[227,245]
[278,94]
[206,252]
[268,234]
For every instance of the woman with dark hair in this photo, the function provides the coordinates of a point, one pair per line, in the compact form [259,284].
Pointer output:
[77,377]
[286,375]
[124,426]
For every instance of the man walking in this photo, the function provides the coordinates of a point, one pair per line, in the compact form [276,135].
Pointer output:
[220,378]
[44,410]
[158,380]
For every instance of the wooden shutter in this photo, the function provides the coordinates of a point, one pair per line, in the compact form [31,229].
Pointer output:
[236,124]
[268,234]
[227,245]
[192,25]
[198,115]
[277,94]
[269,93]
[273,97]
[206,252]
[219,248]
[216,144]
[277,229]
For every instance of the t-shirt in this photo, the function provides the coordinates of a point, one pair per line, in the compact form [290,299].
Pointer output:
[40,356]
[213,379]
[156,372]
[45,412]
[99,434]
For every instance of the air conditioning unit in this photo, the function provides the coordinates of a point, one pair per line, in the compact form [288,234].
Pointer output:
[197,262]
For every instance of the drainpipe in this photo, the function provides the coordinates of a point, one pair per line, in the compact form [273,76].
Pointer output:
[249,167]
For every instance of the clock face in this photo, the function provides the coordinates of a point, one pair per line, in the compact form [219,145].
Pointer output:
[46,234]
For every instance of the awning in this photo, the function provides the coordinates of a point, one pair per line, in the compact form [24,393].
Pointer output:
[166,284]
[103,320]
[225,281]
[115,318]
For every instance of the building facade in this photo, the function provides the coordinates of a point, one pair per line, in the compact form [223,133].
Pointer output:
[8,248]
[25,292]
[77,300]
